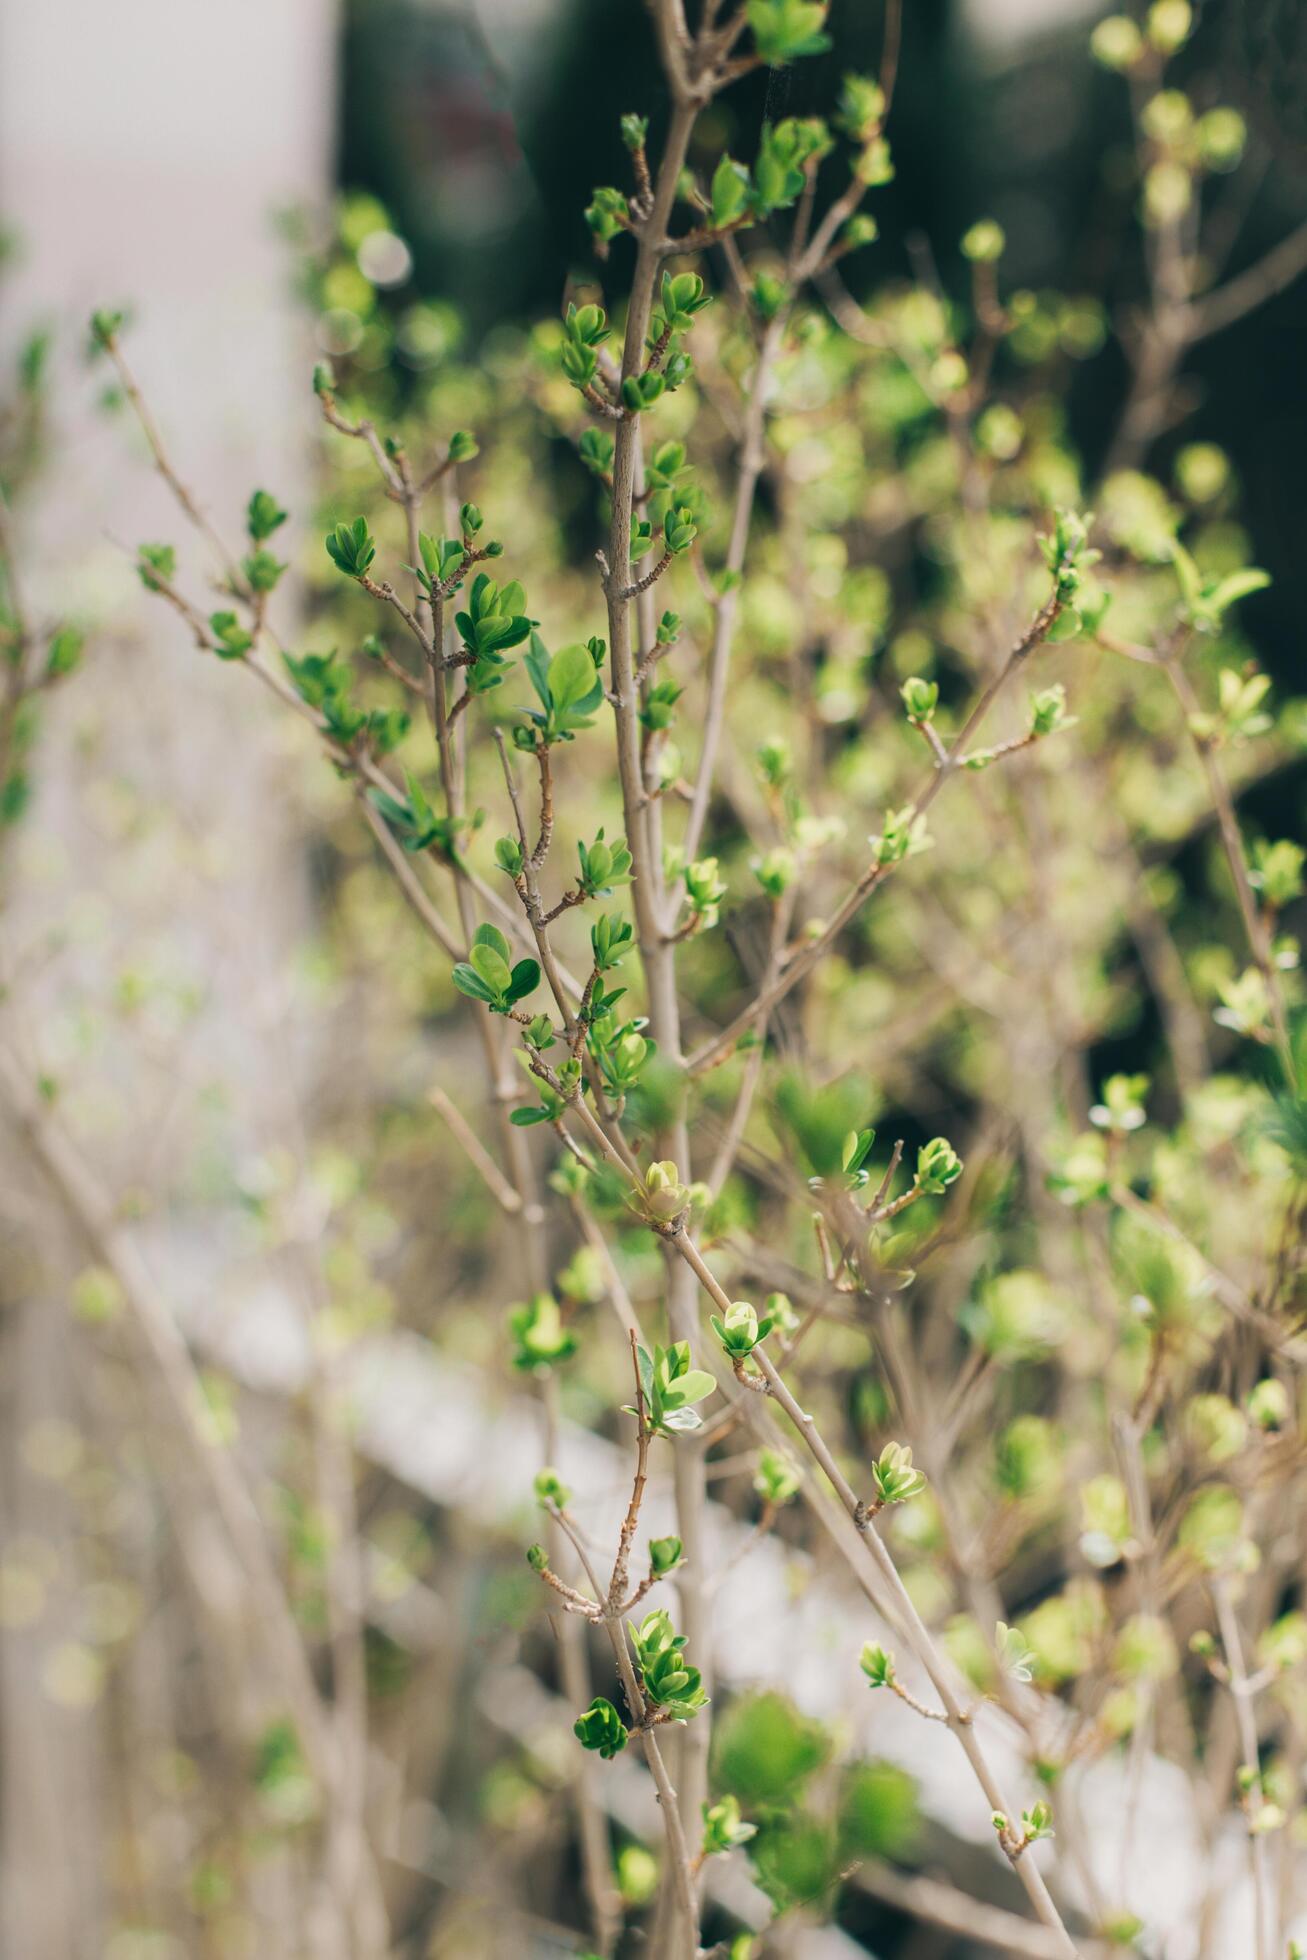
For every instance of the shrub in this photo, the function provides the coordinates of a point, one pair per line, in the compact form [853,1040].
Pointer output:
[719,964]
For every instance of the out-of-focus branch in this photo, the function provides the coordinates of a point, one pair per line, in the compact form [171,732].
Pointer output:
[78,1189]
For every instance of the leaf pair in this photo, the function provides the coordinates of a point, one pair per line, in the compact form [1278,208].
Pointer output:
[263,516]
[786,147]
[1207,600]
[584,329]
[741,1330]
[493,622]
[351,548]
[786,30]
[416,824]
[487,976]
[603,865]
[325,684]
[539,1336]
[547,1110]
[601,1728]
[620,1052]
[568,686]
[670,1387]
[668,1679]
[231,641]
[442,561]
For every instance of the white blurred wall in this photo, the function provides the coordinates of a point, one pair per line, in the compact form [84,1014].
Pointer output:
[145,149]
[144,145]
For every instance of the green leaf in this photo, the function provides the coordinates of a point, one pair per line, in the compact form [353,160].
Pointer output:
[730,191]
[351,549]
[495,972]
[230,640]
[571,676]
[524,980]
[786,30]
[1064,627]
[665,1555]
[1238,585]
[469,982]
[601,1728]
[766,1751]
[821,1119]
[691,1387]
[492,937]
[64,653]
[263,515]
[106,324]
[160,559]
[878,1813]
[508,856]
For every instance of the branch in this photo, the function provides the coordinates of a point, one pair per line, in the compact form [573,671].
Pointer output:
[932,1903]
[719,661]
[658,959]
[1220,309]
[364,432]
[528,890]
[382,589]
[905,1611]
[163,464]
[650,578]
[716,1049]
[622,1563]
[509,1199]
[1247,1723]
[215,1466]
[1259,938]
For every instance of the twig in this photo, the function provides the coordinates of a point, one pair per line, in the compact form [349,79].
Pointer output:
[904,1609]
[163,463]
[721,1044]
[505,1195]
[216,1468]
[1247,1724]
[1259,939]
[1279,268]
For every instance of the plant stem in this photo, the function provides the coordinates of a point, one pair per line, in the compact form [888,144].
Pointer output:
[863,1546]
[1240,1689]
[721,1044]
[657,957]
[1259,939]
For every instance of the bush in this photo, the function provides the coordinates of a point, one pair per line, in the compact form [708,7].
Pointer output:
[880,782]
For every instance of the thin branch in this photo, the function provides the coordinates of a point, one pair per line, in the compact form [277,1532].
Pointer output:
[1259,938]
[650,579]
[622,1563]
[1240,1689]
[504,1194]
[1279,268]
[383,590]
[163,464]
[891,1584]
[721,1044]
[408,880]
[217,1469]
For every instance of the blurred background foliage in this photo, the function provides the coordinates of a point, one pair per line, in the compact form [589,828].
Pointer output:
[471,139]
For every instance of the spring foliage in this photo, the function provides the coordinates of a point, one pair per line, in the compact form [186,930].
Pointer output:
[1048,1363]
